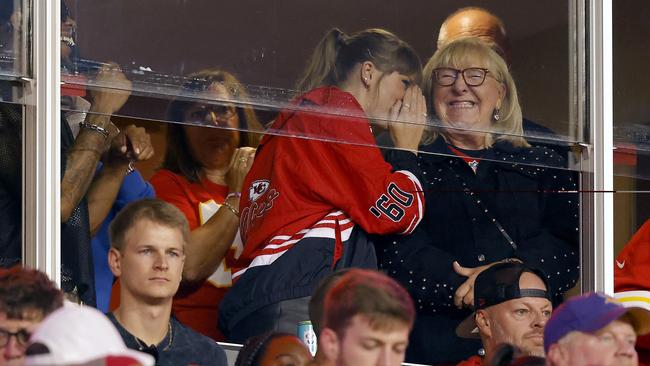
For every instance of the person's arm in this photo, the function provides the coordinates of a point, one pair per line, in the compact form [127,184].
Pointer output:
[132,144]
[82,158]
[209,242]
[89,145]
[357,180]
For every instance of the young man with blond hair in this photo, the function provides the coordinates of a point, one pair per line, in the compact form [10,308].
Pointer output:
[148,240]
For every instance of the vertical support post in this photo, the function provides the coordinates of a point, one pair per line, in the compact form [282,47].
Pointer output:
[41,145]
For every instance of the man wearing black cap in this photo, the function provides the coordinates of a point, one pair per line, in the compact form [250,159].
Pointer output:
[512,306]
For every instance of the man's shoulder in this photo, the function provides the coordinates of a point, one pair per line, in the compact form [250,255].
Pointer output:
[194,339]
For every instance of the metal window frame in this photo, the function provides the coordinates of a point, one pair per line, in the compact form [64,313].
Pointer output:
[42,143]
[596,100]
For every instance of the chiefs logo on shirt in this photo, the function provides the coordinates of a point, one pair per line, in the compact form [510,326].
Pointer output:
[258,188]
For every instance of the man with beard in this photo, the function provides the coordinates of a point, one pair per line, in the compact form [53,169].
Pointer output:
[512,306]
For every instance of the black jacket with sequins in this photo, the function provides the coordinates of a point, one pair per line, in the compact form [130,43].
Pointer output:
[525,190]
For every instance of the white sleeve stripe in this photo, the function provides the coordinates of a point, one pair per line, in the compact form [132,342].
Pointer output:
[267,259]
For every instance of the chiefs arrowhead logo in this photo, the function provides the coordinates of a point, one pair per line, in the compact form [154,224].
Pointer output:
[257,189]
[620,264]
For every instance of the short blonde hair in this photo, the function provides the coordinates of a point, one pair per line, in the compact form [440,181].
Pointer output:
[509,127]
[153,209]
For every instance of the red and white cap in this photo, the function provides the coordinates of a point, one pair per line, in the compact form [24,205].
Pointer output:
[79,335]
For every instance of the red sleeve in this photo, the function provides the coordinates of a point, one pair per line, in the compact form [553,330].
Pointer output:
[356,178]
[176,190]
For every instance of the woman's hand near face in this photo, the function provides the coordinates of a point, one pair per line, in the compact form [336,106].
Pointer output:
[408,118]
[240,164]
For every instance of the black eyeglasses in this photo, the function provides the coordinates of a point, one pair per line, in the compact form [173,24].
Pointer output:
[219,112]
[473,76]
[22,336]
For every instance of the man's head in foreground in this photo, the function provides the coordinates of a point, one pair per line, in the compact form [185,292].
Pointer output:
[593,329]
[317,299]
[512,306]
[26,297]
[479,23]
[148,250]
[367,321]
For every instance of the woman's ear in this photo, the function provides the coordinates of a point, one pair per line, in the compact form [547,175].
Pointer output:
[114,258]
[502,91]
[366,73]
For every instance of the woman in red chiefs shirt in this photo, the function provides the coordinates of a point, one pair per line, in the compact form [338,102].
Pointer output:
[206,160]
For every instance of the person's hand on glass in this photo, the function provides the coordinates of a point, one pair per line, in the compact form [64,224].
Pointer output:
[408,118]
[114,90]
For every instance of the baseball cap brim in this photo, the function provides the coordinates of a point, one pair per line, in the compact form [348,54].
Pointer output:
[468,328]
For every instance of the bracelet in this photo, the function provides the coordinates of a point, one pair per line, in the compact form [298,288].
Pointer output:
[95,128]
[231,208]
[233,194]
[130,169]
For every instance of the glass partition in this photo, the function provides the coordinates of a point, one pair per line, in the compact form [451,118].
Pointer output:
[502,199]
[14,40]
[14,56]
[632,154]
[268,56]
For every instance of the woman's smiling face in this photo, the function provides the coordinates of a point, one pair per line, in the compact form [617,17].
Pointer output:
[467,107]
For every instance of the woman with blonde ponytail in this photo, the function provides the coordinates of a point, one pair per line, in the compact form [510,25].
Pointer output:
[319,184]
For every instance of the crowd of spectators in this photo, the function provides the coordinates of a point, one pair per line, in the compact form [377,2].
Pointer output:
[473,226]
[364,316]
